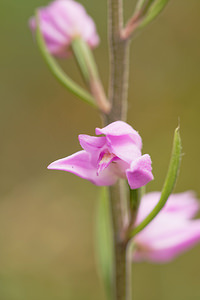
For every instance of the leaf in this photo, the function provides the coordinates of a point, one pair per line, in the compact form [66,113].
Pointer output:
[153,11]
[103,239]
[140,4]
[169,183]
[57,71]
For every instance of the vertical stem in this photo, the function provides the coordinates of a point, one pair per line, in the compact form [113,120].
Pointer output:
[119,280]
[129,257]
[118,98]
[118,62]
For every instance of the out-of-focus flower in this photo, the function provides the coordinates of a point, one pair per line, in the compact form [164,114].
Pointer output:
[104,159]
[61,22]
[171,232]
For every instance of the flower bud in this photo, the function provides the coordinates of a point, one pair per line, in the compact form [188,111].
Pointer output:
[61,22]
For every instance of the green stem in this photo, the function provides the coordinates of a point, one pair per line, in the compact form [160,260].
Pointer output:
[104,245]
[135,197]
[119,63]
[77,47]
[168,185]
[58,72]
[88,67]
[118,85]
[85,58]
[119,257]
[129,264]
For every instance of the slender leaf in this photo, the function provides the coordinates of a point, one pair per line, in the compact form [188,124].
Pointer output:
[143,6]
[139,5]
[103,236]
[58,72]
[154,10]
[168,185]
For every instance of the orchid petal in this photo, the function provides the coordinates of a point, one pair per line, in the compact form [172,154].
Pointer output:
[181,205]
[123,147]
[171,232]
[147,204]
[165,238]
[184,205]
[80,165]
[91,143]
[139,172]
[120,128]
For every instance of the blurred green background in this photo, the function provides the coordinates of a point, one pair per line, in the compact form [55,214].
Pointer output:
[47,217]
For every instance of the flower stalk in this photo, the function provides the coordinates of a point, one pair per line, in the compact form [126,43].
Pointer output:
[118,86]
[88,68]
[135,197]
[119,244]
[119,63]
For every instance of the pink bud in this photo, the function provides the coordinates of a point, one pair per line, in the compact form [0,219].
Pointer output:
[61,22]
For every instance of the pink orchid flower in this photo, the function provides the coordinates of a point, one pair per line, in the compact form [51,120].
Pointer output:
[62,21]
[107,158]
[171,232]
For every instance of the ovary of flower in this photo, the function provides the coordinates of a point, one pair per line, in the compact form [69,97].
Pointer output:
[107,158]
[61,22]
[173,230]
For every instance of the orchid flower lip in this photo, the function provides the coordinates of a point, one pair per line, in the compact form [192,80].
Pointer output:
[104,160]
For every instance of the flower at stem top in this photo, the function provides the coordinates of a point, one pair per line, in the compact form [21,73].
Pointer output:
[61,22]
[105,159]
[171,232]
